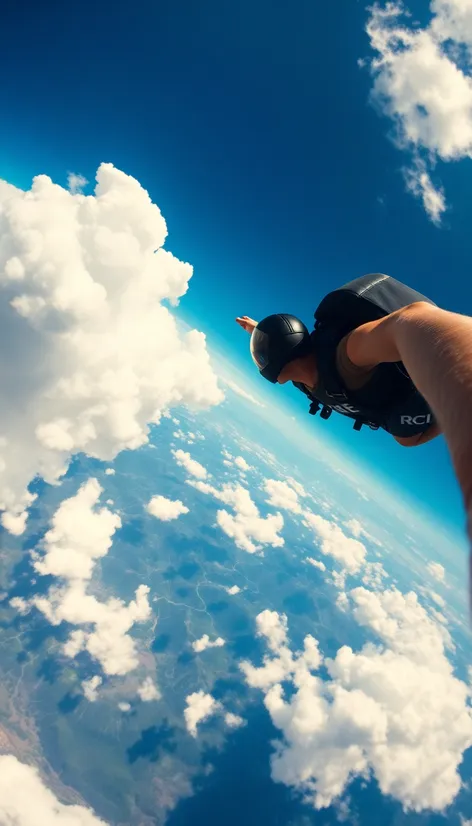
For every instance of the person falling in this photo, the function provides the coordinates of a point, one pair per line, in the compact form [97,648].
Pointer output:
[383,355]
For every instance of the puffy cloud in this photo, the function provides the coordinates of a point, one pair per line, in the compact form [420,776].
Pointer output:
[373,574]
[124,707]
[16,523]
[166,509]
[394,709]
[241,463]
[76,183]
[316,563]
[26,801]
[282,495]
[80,535]
[200,707]
[422,83]
[342,601]
[21,605]
[272,627]
[234,720]
[94,356]
[108,642]
[192,467]
[298,488]
[148,691]
[347,552]
[91,687]
[437,571]
[110,471]
[354,527]
[204,642]
[235,589]
[249,530]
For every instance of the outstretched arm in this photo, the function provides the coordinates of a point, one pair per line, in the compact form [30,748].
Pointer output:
[436,348]
[246,323]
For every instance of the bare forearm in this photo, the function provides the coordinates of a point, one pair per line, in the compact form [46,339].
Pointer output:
[436,349]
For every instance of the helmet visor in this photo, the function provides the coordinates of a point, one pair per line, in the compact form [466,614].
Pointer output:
[260,348]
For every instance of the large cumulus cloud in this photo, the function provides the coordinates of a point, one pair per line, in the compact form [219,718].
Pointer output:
[94,354]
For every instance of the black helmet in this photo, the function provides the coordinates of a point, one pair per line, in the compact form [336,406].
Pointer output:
[276,341]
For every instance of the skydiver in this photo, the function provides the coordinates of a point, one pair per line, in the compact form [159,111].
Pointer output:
[383,355]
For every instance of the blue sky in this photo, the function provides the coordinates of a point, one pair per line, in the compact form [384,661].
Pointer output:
[250,126]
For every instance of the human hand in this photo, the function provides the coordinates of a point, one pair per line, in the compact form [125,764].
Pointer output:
[246,323]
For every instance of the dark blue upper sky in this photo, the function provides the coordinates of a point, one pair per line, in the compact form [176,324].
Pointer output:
[251,128]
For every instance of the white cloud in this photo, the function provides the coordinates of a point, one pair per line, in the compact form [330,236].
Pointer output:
[192,467]
[79,536]
[94,356]
[437,599]
[395,709]
[349,553]
[235,589]
[437,571]
[241,463]
[26,801]
[110,471]
[91,687]
[249,530]
[234,720]
[200,707]
[124,707]
[282,495]
[419,183]
[298,488]
[342,601]
[76,183]
[316,563]
[204,642]
[373,575]
[420,81]
[354,527]
[148,691]
[16,523]
[166,509]
[21,605]
[236,388]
